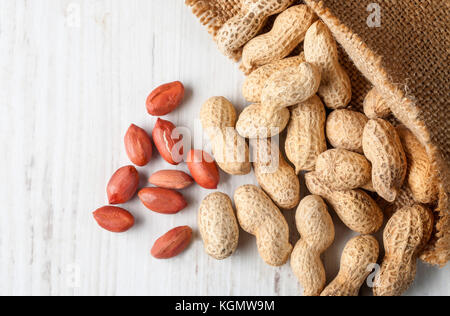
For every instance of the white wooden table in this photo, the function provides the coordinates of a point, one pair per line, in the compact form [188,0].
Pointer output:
[74,74]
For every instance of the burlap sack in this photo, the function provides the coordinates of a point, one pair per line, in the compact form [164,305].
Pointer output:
[406,58]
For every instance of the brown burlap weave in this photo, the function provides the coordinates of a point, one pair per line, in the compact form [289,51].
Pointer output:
[406,58]
[214,13]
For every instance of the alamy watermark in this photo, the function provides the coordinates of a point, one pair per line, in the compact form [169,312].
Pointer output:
[374,19]
[73,276]
[373,280]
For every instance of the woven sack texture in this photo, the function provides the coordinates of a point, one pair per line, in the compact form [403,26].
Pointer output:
[406,59]
[214,13]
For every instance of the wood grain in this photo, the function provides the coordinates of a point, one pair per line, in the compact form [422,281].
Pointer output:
[73,76]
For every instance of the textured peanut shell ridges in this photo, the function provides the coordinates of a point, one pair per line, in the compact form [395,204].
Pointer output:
[259,216]
[317,233]
[359,254]
[237,31]
[288,31]
[357,210]
[321,50]
[375,106]
[254,123]
[345,129]
[255,82]
[383,148]
[341,169]
[405,236]
[275,176]
[305,139]
[404,199]
[218,226]
[290,86]
[218,117]
[421,176]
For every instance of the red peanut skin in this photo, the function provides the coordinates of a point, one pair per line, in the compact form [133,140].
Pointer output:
[138,146]
[163,201]
[165,99]
[162,136]
[172,243]
[114,219]
[171,179]
[203,169]
[123,185]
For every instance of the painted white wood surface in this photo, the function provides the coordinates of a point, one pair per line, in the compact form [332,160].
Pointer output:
[73,75]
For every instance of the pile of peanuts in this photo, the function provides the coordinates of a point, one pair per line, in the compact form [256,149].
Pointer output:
[362,166]
[359,164]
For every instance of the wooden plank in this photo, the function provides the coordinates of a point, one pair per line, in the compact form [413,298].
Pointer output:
[73,76]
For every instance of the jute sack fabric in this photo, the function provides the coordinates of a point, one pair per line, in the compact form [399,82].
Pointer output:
[214,13]
[406,58]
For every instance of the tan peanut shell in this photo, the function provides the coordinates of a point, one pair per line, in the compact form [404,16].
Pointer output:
[345,129]
[254,123]
[237,31]
[375,106]
[275,176]
[316,235]
[357,210]
[218,226]
[421,176]
[255,82]
[383,148]
[305,139]
[340,169]
[259,216]
[290,86]
[369,187]
[288,31]
[218,117]
[359,254]
[405,236]
[321,50]
[404,199]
